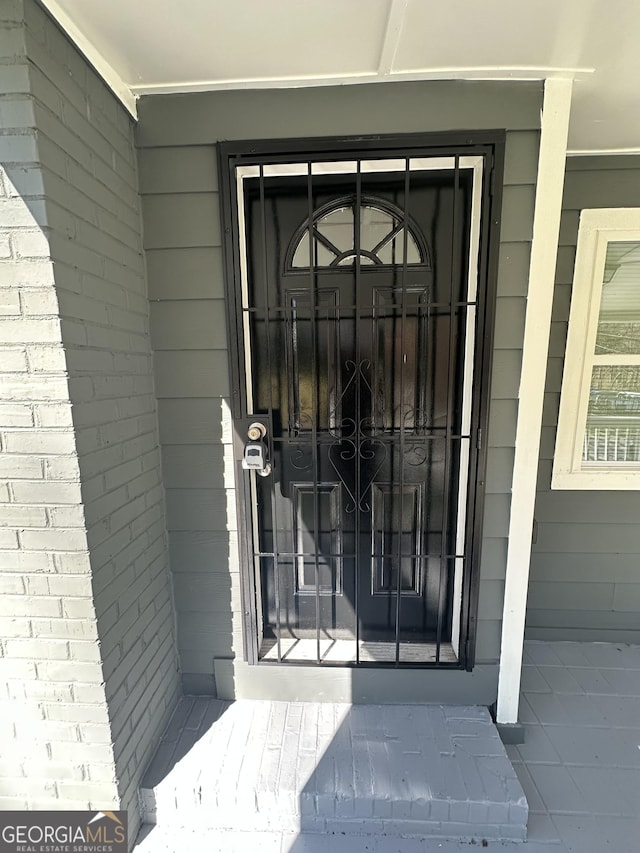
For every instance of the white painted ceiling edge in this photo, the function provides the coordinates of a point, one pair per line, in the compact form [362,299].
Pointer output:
[594,95]
[93,56]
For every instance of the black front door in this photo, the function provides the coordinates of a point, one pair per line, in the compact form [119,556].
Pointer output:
[358,309]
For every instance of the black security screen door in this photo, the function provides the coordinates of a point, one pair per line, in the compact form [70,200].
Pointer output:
[359,315]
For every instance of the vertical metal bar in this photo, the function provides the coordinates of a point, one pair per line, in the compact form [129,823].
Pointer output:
[444,558]
[358,417]
[274,515]
[403,295]
[313,299]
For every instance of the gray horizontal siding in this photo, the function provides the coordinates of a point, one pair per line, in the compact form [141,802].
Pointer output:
[194,273]
[587,626]
[193,373]
[496,517]
[585,567]
[188,333]
[193,421]
[207,592]
[178,179]
[494,557]
[590,508]
[176,170]
[562,595]
[601,188]
[189,324]
[502,423]
[499,470]
[506,374]
[192,551]
[200,510]
[194,466]
[181,220]
[578,568]
[513,273]
[517,214]
[345,110]
[510,315]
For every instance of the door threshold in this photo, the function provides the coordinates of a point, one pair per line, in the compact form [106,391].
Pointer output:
[344,651]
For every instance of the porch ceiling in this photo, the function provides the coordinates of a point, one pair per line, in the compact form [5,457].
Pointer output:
[160,46]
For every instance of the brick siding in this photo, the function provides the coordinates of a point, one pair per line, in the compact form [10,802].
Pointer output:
[89,597]
[56,736]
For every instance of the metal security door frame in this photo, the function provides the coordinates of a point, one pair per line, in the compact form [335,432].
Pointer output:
[488,145]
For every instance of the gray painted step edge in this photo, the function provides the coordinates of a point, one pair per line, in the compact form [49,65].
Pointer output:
[418,771]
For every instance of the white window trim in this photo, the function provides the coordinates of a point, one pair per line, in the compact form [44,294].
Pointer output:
[597,229]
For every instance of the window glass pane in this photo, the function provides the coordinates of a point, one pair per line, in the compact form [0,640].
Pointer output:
[393,251]
[301,254]
[323,257]
[351,259]
[382,238]
[337,227]
[619,318]
[375,226]
[613,417]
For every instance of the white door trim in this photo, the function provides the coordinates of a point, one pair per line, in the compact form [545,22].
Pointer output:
[544,247]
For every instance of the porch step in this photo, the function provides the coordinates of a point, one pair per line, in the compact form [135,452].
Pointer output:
[398,770]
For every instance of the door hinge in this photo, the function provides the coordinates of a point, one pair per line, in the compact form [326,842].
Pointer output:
[479,440]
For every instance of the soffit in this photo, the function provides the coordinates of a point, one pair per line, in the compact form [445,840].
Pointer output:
[160,46]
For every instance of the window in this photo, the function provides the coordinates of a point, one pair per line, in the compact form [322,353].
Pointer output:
[598,441]
[381,241]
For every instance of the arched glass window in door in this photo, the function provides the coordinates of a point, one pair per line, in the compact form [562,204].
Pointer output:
[385,231]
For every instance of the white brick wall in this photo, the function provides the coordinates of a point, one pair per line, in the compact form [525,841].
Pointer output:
[91,188]
[46,652]
[86,623]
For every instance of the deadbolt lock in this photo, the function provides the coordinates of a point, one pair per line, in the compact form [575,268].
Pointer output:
[256,431]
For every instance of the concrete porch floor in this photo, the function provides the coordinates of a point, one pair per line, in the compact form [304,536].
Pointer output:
[579,768]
